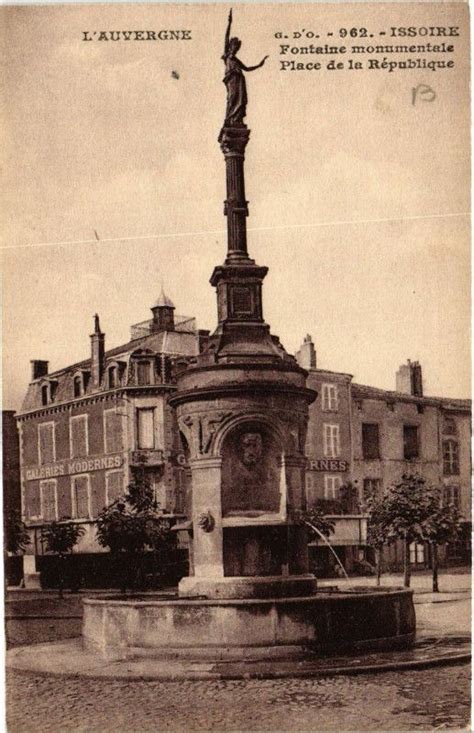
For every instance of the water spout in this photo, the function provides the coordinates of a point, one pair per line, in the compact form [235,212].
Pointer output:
[329,545]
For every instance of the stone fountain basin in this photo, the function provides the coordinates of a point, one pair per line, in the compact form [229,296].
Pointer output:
[321,624]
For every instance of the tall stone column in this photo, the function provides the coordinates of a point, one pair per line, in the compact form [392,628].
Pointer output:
[233,141]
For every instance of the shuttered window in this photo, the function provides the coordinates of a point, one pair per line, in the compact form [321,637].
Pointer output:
[81,497]
[47,448]
[370,441]
[411,447]
[332,446]
[332,485]
[113,486]
[32,500]
[48,500]
[113,431]
[146,429]
[78,436]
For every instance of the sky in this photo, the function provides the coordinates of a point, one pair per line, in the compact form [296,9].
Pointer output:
[358,199]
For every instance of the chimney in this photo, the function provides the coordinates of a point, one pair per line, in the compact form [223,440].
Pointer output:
[306,355]
[409,379]
[416,379]
[97,354]
[38,368]
[203,339]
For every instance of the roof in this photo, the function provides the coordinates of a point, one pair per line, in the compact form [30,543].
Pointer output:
[364,391]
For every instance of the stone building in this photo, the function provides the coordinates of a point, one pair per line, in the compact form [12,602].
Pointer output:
[84,430]
[370,437]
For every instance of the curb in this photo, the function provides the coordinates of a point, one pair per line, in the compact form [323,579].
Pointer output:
[124,668]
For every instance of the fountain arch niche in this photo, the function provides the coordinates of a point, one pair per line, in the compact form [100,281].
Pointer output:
[246,429]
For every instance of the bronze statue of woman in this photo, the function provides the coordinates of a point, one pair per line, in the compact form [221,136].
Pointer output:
[234,80]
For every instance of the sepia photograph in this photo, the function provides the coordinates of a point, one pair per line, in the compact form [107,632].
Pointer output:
[236,376]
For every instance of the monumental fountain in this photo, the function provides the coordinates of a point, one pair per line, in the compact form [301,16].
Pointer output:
[242,409]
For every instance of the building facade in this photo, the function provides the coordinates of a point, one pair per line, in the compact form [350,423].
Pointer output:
[370,437]
[84,431]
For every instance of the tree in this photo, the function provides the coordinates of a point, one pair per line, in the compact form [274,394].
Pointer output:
[441,526]
[60,538]
[133,526]
[404,507]
[376,529]
[16,538]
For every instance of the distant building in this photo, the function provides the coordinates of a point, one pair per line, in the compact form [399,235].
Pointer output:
[86,428]
[370,437]
[11,484]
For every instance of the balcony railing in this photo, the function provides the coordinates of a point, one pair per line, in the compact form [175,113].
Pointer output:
[146,457]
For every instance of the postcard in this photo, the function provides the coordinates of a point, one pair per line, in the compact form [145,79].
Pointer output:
[236,366]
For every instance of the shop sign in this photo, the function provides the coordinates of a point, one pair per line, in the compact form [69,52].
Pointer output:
[75,465]
[328,464]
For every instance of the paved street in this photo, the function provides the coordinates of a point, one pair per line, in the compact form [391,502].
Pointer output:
[420,700]
[437,698]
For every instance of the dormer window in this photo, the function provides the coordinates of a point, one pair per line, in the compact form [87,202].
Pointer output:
[48,390]
[112,375]
[143,373]
[142,369]
[77,386]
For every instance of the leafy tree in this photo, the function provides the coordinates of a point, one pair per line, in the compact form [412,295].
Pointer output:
[376,529]
[412,511]
[441,526]
[16,537]
[132,526]
[318,522]
[60,538]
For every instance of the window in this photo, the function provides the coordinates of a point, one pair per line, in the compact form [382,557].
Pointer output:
[332,485]
[450,458]
[146,429]
[330,398]
[46,443]
[371,487]
[370,440]
[78,436]
[32,500]
[159,492]
[449,426]
[417,554]
[451,495]
[77,386]
[80,497]
[143,372]
[113,486]
[49,509]
[332,447]
[411,447]
[44,394]
[113,441]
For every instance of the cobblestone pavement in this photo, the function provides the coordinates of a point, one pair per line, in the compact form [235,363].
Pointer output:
[415,700]
[419,700]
